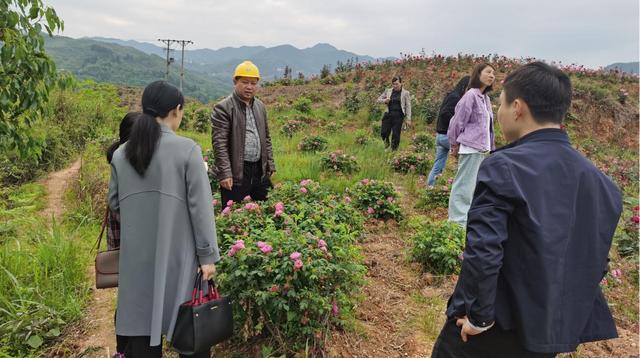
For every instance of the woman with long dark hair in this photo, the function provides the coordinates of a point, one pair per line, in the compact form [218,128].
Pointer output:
[447,109]
[471,138]
[161,190]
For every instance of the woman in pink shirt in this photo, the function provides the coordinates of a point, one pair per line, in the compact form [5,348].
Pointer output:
[471,138]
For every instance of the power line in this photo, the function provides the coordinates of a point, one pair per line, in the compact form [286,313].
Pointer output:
[183,43]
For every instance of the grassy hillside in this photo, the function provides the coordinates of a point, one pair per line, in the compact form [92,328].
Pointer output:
[104,62]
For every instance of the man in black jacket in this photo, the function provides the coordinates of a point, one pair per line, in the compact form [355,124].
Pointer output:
[538,235]
[447,109]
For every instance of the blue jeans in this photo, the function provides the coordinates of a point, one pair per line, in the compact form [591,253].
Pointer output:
[442,152]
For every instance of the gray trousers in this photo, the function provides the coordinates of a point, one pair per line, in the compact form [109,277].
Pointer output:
[463,187]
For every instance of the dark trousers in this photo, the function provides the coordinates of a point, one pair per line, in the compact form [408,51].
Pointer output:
[494,343]
[392,125]
[138,347]
[253,184]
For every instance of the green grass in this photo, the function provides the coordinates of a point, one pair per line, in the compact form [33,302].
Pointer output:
[43,283]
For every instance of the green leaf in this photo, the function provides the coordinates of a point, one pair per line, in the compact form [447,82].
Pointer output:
[35,341]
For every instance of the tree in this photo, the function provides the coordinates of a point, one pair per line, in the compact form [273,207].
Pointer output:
[27,74]
[325,72]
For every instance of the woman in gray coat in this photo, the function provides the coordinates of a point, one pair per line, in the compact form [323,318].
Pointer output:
[160,187]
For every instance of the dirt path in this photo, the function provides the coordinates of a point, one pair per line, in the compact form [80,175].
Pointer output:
[56,185]
[94,336]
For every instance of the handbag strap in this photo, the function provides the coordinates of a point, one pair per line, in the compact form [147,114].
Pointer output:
[104,225]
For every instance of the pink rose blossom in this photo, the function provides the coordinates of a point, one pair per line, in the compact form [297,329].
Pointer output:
[239,245]
[323,248]
[230,203]
[252,206]
[636,219]
[322,243]
[297,265]
[206,159]
[279,206]
[390,199]
[364,181]
[295,256]
[450,180]
[239,210]
[616,273]
[260,243]
[215,202]
[278,213]
[226,211]
[247,198]
[231,252]
[347,199]
[303,190]
[370,211]
[274,288]
[334,309]
[266,249]
[306,182]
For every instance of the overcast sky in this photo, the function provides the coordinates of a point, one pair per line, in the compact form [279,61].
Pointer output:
[588,32]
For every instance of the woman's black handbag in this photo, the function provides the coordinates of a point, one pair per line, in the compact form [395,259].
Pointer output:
[202,322]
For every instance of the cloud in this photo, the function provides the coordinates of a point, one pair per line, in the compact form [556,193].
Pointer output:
[589,32]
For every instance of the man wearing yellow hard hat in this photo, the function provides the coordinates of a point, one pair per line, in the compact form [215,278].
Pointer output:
[241,141]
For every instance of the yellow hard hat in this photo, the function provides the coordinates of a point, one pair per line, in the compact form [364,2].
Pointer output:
[247,69]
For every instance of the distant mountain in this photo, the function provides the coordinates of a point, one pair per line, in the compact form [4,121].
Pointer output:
[628,67]
[271,60]
[109,62]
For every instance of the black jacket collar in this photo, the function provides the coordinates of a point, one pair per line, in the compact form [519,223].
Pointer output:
[546,134]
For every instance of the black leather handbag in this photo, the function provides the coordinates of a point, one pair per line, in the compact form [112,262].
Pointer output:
[203,321]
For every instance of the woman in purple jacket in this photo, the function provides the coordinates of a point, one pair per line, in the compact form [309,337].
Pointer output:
[470,138]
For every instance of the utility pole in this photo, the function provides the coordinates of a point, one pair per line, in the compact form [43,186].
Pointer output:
[183,43]
[168,43]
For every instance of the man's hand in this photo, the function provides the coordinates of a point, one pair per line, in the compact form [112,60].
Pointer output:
[465,328]
[454,151]
[227,183]
[208,271]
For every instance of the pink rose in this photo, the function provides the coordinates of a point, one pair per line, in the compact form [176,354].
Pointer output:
[230,203]
[616,273]
[239,245]
[322,243]
[215,202]
[206,159]
[247,198]
[226,211]
[636,219]
[347,199]
[390,199]
[260,244]
[251,206]
[295,256]
[266,249]
[306,182]
[239,210]
[323,248]
[278,213]
[370,211]
[274,288]
[450,180]
[297,265]
[303,190]
[334,308]
[365,181]
[279,206]
[231,252]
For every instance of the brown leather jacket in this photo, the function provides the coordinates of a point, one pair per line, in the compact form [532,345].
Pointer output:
[228,136]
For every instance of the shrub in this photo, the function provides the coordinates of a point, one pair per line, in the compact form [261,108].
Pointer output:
[210,158]
[340,162]
[333,127]
[302,104]
[313,144]
[202,120]
[438,246]
[626,238]
[291,127]
[376,128]
[423,143]
[291,265]
[362,138]
[436,197]
[410,163]
[378,199]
